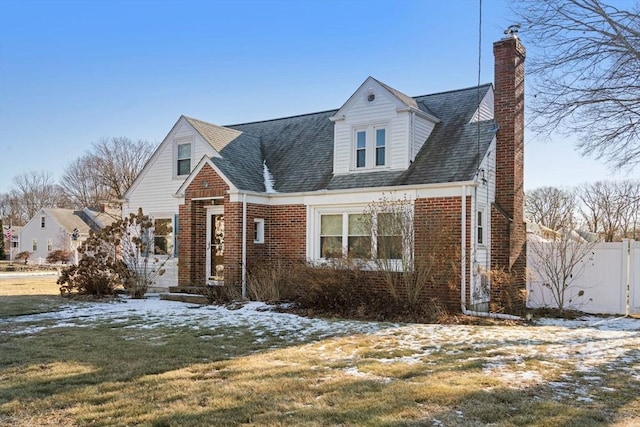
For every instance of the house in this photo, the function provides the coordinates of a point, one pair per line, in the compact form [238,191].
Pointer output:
[11,245]
[53,228]
[290,187]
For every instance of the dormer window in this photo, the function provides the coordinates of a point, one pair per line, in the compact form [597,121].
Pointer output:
[370,147]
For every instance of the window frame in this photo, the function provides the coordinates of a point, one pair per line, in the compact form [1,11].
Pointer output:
[43,221]
[481,227]
[168,238]
[49,245]
[371,148]
[345,212]
[258,230]
[178,142]
[34,245]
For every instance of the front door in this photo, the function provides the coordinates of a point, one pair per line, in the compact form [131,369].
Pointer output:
[215,246]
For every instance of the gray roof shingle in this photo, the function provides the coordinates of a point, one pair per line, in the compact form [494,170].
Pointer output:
[298,150]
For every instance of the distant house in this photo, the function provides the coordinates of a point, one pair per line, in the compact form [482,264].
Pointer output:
[52,228]
[292,187]
[12,244]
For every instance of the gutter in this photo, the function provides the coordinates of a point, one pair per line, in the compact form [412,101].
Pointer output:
[463,275]
[244,246]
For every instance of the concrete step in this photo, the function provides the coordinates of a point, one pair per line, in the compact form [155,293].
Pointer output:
[190,298]
[194,290]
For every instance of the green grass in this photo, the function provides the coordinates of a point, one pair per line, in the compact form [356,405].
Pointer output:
[112,374]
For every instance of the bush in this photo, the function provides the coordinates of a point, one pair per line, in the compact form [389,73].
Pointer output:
[267,280]
[25,255]
[116,255]
[87,278]
[221,294]
[59,255]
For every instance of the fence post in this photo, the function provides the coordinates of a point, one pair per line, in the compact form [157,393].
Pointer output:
[626,272]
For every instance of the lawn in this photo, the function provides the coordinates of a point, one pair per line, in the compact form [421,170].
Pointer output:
[161,363]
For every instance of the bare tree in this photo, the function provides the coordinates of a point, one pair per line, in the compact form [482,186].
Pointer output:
[31,192]
[556,264]
[585,67]
[550,206]
[610,208]
[81,184]
[118,161]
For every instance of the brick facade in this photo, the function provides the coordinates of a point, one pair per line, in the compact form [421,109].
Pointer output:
[508,240]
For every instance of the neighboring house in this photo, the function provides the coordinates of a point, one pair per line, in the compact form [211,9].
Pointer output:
[13,245]
[290,187]
[52,228]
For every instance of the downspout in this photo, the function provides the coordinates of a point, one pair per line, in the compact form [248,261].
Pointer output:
[463,284]
[244,246]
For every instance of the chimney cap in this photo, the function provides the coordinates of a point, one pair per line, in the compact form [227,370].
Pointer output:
[512,31]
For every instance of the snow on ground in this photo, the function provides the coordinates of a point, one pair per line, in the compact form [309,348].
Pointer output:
[519,356]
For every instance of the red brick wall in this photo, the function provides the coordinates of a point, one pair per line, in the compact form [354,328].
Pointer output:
[438,233]
[193,225]
[508,238]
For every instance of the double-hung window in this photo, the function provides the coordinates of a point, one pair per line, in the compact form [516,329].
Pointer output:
[480,227]
[183,159]
[162,237]
[361,149]
[381,142]
[389,235]
[370,147]
[360,235]
[331,236]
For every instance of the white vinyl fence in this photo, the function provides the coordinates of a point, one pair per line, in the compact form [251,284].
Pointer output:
[601,286]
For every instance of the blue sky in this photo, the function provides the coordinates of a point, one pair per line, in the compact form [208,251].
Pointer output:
[72,72]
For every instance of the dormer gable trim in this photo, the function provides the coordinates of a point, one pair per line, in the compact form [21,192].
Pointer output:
[206,160]
[419,113]
[375,87]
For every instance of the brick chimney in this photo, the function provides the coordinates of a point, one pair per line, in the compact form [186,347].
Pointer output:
[508,243]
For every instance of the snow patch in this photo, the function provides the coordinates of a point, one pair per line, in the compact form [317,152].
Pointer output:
[268,178]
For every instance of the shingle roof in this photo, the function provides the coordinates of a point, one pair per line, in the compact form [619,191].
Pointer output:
[219,137]
[299,150]
[407,100]
[68,219]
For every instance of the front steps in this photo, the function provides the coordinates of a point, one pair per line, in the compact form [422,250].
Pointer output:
[189,294]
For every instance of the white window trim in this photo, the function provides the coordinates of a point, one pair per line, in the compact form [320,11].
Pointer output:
[177,142]
[313,237]
[482,210]
[370,148]
[258,224]
[34,245]
[170,238]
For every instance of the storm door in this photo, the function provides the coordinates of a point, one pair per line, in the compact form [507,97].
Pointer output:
[215,246]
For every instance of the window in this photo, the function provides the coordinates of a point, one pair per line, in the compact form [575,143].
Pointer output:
[183,166]
[331,236]
[34,245]
[43,221]
[361,235]
[389,236]
[380,146]
[258,230]
[370,148]
[162,237]
[361,149]
[480,228]
[359,238]
[49,245]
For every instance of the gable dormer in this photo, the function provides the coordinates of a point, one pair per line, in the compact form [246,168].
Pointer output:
[378,128]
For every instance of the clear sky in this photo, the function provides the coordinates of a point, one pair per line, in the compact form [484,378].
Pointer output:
[72,72]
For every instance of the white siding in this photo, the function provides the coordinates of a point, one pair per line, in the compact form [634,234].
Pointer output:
[154,189]
[33,230]
[157,183]
[484,195]
[359,113]
[485,111]
[422,130]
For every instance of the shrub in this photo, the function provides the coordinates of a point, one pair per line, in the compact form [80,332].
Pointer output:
[117,254]
[267,279]
[221,294]
[24,255]
[59,255]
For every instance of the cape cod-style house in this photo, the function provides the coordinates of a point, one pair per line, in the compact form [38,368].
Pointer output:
[288,187]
